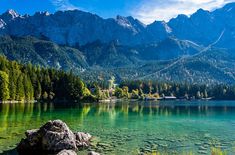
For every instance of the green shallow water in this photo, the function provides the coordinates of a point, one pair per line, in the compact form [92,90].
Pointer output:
[130,127]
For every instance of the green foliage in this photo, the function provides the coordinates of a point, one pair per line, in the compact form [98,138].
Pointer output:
[118,92]
[179,90]
[45,96]
[44,53]
[20,92]
[28,88]
[135,94]
[97,91]
[125,90]
[27,82]
[37,90]
[4,83]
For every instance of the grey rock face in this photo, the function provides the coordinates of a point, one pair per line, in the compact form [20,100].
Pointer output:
[9,15]
[53,137]
[57,135]
[33,137]
[73,27]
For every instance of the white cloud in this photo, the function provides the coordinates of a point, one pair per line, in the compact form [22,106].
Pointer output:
[63,5]
[150,10]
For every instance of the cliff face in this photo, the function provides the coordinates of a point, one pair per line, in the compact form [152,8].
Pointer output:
[78,27]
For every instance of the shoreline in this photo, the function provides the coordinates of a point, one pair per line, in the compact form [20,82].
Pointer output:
[26,101]
[109,100]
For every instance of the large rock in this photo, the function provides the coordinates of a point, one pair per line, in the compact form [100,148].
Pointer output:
[53,137]
[56,135]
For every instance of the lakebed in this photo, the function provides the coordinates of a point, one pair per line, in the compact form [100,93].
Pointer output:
[169,127]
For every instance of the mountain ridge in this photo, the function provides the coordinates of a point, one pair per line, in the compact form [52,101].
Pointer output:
[79,27]
[98,60]
[197,48]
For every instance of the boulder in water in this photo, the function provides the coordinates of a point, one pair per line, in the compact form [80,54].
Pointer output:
[53,137]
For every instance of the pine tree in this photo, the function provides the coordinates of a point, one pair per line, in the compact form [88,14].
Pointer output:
[20,92]
[12,83]
[45,95]
[28,88]
[38,90]
[4,83]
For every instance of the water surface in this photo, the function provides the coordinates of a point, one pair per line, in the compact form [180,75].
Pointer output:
[174,127]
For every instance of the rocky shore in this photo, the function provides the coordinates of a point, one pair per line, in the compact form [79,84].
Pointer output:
[55,138]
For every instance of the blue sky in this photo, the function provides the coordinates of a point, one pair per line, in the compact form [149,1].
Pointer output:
[145,10]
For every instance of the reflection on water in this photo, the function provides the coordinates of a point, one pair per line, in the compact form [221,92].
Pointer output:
[134,127]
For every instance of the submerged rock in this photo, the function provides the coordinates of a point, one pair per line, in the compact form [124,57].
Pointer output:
[82,139]
[93,153]
[53,137]
[67,152]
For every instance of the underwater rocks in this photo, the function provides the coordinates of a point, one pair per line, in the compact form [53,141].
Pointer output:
[93,153]
[67,152]
[53,137]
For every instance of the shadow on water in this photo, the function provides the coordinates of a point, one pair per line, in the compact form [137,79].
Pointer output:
[102,119]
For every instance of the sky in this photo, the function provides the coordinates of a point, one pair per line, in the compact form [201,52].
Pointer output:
[146,11]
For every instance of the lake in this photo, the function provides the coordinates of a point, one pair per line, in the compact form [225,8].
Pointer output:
[168,127]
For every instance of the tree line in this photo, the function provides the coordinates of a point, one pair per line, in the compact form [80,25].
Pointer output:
[27,82]
[20,82]
[180,90]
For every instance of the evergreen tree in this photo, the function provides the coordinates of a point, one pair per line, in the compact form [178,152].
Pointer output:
[45,96]
[37,90]
[12,84]
[20,92]
[28,88]
[4,83]
[118,92]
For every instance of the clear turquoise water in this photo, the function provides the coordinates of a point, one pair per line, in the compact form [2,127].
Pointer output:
[130,127]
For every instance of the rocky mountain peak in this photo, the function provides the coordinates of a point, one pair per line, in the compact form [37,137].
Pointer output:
[13,13]
[123,21]
[9,15]
[2,23]
[130,23]
[42,13]
[161,25]
[76,26]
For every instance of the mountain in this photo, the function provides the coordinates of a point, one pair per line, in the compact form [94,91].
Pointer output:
[95,54]
[167,49]
[71,27]
[211,67]
[44,53]
[78,27]
[192,63]
[109,55]
[204,27]
[214,66]
[197,48]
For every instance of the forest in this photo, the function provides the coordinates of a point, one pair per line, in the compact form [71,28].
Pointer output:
[180,90]
[27,82]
